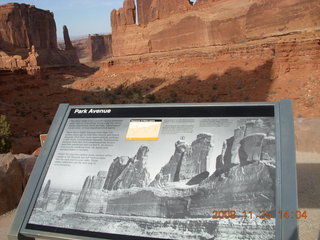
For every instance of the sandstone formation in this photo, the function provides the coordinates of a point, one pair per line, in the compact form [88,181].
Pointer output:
[115,169]
[90,198]
[170,171]
[24,25]
[125,15]
[172,25]
[67,41]
[244,187]
[135,173]
[64,202]
[99,46]
[151,10]
[14,173]
[28,39]
[127,172]
[186,162]
[11,185]
[197,161]
[198,178]
[253,141]
[43,200]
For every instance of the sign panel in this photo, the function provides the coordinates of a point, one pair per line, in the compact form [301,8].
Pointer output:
[197,172]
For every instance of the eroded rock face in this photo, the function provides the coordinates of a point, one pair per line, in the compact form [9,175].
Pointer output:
[28,39]
[115,169]
[64,202]
[254,141]
[23,25]
[67,41]
[166,25]
[196,161]
[15,171]
[11,182]
[135,174]
[125,15]
[100,46]
[43,199]
[250,149]
[151,10]
[148,204]
[91,197]
[170,172]
[186,162]
[244,187]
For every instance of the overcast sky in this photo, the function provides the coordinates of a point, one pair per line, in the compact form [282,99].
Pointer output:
[82,17]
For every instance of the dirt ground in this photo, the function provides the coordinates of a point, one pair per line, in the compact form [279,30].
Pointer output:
[30,102]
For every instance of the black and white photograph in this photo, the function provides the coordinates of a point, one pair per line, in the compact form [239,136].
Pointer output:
[195,178]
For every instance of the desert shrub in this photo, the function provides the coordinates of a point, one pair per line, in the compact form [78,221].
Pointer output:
[5,133]
[151,98]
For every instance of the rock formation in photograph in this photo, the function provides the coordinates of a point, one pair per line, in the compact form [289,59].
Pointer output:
[253,141]
[135,173]
[28,39]
[127,172]
[64,202]
[91,198]
[115,169]
[247,184]
[186,162]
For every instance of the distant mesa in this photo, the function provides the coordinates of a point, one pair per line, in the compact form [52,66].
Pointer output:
[31,45]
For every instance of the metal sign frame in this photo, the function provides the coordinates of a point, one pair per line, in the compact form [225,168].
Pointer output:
[286,185]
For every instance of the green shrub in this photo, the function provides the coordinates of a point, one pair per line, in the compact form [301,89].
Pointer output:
[5,133]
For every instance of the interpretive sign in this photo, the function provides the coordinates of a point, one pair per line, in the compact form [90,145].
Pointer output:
[183,171]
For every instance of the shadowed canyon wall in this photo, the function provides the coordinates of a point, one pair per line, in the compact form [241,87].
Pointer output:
[172,25]
[28,38]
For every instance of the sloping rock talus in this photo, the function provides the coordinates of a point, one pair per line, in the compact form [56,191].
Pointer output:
[173,25]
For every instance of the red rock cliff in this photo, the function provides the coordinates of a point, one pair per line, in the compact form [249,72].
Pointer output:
[22,26]
[28,39]
[172,25]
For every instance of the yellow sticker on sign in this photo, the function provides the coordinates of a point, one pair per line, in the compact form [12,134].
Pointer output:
[143,130]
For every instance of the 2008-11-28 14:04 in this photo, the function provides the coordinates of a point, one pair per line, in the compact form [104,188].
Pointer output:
[262,215]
